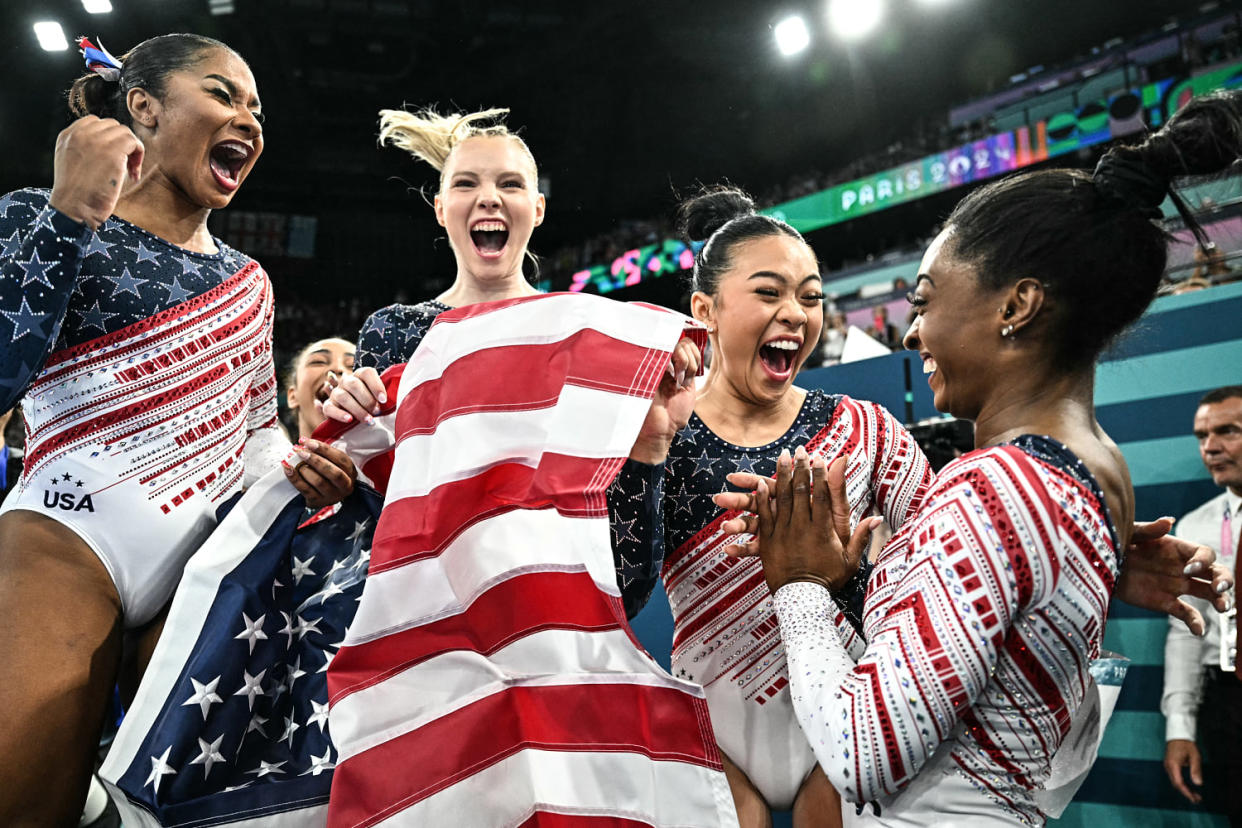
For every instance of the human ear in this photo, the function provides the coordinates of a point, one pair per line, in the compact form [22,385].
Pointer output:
[703,308]
[1023,302]
[291,397]
[541,205]
[439,207]
[143,107]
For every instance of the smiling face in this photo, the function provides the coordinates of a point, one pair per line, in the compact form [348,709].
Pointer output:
[205,135]
[311,371]
[767,312]
[489,203]
[955,330]
[1218,427]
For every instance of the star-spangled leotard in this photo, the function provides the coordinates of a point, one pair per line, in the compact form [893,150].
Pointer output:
[392,334]
[148,381]
[981,617]
[725,632]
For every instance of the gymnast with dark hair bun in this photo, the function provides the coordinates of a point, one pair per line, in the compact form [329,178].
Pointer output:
[142,346]
[981,615]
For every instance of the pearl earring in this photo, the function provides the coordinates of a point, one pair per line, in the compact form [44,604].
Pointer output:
[1007,330]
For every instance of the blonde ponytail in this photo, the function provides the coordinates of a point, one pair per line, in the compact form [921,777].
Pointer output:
[431,137]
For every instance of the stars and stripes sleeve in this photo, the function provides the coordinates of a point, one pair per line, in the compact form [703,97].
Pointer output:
[635,499]
[39,263]
[390,336]
[932,647]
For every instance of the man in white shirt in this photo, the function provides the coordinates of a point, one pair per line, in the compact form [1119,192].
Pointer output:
[1193,676]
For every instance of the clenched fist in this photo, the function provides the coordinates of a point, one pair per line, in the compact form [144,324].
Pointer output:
[93,156]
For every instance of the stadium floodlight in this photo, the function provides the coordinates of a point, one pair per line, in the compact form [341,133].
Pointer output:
[51,36]
[854,19]
[792,35]
[97,6]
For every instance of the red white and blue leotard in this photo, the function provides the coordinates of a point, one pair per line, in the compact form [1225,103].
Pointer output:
[981,617]
[149,386]
[726,635]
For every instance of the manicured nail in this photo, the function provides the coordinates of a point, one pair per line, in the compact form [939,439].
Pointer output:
[1193,568]
[1222,587]
[303,453]
[348,417]
[784,457]
[313,445]
[383,397]
[800,453]
[369,420]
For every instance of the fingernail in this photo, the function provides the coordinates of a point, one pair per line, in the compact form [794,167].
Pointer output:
[383,397]
[1222,587]
[1192,568]
[369,420]
[313,445]
[1169,518]
[784,456]
[303,453]
[348,417]
[800,452]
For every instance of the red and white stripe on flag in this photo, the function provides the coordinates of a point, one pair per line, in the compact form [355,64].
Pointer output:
[489,677]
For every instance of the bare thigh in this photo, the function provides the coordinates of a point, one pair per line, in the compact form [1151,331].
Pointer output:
[58,664]
[818,805]
[752,808]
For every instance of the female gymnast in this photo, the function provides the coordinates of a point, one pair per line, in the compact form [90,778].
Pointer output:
[983,612]
[322,362]
[143,348]
[757,288]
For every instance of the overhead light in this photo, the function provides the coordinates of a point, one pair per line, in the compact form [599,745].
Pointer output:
[854,19]
[51,36]
[97,6]
[219,7]
[792,35]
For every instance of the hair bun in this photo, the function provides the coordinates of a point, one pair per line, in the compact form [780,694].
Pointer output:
[699,217]
[1125,178]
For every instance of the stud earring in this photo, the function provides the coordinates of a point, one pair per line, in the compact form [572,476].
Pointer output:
[1007,330]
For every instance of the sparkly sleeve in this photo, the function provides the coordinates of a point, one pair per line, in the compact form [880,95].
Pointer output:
[932,646]
[389,337]
[635,499]
[39,265]
[266,441]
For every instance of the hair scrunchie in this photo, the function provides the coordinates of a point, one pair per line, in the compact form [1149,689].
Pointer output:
[99,60]
[1125,179]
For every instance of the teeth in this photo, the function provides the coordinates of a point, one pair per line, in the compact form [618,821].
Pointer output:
[490,226]
[929,366]
[783,345]
[236,150]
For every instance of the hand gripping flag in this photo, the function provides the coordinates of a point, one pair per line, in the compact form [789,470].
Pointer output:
[489,677]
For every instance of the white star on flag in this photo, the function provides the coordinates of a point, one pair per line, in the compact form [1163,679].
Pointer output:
[159,769]
[208,755]
[319,764]
[290,727]
[305,627]
[266,769]
[256,723]
[295,672]
[320,716]
[290,629]
[359,528]
[252,686]
[253,631]
[301,568]
[204,695]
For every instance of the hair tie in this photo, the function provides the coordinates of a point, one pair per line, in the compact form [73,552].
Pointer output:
[1125,179]
[99,61]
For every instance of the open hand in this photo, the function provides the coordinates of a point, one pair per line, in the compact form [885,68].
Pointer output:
[1158,569]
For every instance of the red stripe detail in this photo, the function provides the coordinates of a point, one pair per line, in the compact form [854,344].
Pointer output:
[419,527]
[587,358]
[139,328]
[707,617]
[659,722]
[503,614]
[79,430]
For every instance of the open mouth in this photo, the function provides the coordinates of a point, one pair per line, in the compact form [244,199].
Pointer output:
[489,237]
[929,365]
[228,159]
[778,356]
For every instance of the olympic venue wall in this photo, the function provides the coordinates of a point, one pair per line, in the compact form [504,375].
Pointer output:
[1147,388]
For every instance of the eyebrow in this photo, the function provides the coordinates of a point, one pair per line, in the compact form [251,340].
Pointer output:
[329,353]
[232,87]
[769,274]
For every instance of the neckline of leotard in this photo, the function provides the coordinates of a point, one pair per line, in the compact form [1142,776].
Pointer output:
[221,248]
[1054,453]
[804,413]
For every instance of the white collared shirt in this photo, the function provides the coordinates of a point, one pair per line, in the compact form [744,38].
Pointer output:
[1185,656]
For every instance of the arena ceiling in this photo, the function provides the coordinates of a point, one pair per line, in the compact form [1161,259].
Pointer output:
[621,102]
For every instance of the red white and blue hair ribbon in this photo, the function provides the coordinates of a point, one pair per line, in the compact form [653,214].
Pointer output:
[99,61]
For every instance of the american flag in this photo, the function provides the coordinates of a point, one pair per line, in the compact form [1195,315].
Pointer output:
[489,676]
[230,724]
